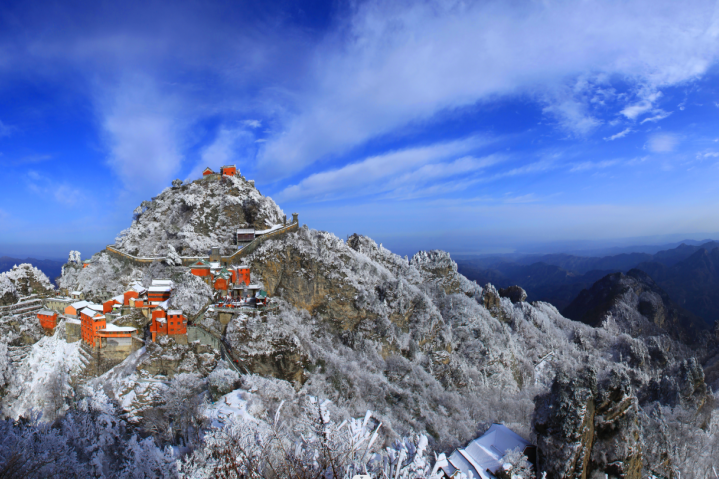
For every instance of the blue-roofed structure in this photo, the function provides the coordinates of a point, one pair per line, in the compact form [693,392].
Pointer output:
[482,457]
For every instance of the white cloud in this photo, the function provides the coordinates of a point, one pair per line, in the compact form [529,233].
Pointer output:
[662,142]
[621,134]
[396,64]
[252,123]
[143,133]
[707,154]
[572,116]
[61,192]
[660,115]
[593,165]
[391,171]
[644,105]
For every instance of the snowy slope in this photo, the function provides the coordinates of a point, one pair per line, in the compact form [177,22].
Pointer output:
[42,376]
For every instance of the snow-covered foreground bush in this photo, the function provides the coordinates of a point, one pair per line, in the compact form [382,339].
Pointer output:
[314,446]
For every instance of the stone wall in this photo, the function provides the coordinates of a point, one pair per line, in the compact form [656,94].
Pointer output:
[235,258]
[72,330]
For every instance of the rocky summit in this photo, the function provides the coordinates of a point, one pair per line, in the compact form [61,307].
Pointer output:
[429,358]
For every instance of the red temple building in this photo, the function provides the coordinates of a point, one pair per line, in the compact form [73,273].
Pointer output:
[166,322]
[228,170]
[201,269]
[159,291]
[91,323]
[47,318]
[110,303]
[208,171]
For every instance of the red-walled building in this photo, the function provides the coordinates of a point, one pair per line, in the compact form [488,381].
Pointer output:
[221,281]
[240,274]
[208,171]
[201,269]
[228,170]
[135,292]
[108,305]
[75,308]
[159,291]
[167,322]
[91,323]
[47,318]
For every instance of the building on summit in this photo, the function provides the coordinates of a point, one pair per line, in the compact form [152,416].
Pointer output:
[228,170]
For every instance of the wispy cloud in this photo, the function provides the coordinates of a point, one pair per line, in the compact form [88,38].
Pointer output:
[660,115]
[662,142]
[393,170]
[593,165]
[621,134]
[143,133]
[60,192]
[406,63]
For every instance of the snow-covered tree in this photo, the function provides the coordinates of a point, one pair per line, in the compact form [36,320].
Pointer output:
[74,257]
[315,447]
[222,380]
[176,183]
[172,258]
[515,465]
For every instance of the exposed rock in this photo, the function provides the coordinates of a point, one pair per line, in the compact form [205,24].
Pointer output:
[586,428]
[167,358]
[638,306]
[515,294]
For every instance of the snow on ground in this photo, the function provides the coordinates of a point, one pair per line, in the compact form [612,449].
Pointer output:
[49,358]
[233,404]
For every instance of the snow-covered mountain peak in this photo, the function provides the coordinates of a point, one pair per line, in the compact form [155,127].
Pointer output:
[197,216]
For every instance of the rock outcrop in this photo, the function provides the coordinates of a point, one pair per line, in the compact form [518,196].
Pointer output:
[638,306]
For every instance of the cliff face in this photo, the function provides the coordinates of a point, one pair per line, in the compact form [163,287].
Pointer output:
[22,280]
[638,306]
[198,216]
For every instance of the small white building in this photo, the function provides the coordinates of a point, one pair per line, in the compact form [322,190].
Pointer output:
[482,457]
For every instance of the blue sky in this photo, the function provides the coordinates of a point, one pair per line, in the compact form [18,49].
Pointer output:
[468,126]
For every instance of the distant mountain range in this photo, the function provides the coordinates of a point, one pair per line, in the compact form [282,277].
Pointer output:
[51,267]
[688,273]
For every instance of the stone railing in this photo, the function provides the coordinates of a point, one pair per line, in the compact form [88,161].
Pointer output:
[189,260]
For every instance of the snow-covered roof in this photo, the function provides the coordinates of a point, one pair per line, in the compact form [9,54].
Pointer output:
[229,166]
[174,311]
[112,327]
[160,289]
[96,307]
[46,312]
[73,321]
[77,293]
[119,298]
[92,313]
[486,452]
[161,282]
[245,231]
[206,169]
[79,305]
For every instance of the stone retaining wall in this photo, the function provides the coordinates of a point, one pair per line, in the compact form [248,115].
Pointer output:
[234,258]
